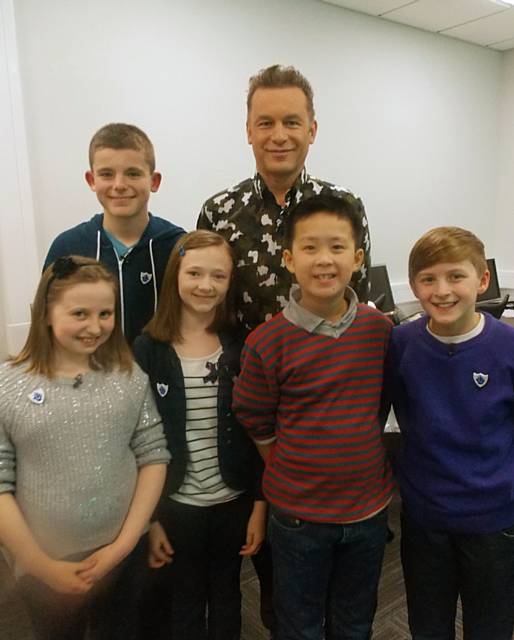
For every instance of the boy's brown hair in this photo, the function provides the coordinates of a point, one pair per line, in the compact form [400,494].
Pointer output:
[279,77]
[446,244]
[165,325]
[119,135]
[38,351]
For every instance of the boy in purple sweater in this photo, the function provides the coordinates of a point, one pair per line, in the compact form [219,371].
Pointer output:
[453,394]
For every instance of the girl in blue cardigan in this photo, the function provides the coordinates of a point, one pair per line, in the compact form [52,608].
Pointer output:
[211,513]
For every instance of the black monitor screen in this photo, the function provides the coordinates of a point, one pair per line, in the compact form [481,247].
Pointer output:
[493,290]
[380,292]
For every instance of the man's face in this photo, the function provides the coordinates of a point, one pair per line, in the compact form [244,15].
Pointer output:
[280,130]
[122,181]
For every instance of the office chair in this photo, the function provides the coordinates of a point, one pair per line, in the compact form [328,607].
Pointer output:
[380,292]
[494,307]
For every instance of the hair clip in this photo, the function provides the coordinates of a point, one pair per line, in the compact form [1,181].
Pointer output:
[182,252]
[64,267]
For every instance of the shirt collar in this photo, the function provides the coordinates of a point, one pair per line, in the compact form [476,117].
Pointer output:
[261,188]
[313,323]
[464,337]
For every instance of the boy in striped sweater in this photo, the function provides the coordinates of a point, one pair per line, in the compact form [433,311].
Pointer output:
[309,395]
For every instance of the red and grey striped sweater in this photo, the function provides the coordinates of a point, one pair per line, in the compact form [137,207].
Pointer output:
[320,397]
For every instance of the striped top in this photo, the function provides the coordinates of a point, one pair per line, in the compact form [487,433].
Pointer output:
[320,397]
[203,485]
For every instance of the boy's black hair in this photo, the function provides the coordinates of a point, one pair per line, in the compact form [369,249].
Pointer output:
[326,204]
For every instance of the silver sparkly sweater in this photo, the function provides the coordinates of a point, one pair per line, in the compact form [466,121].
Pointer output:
[70,453]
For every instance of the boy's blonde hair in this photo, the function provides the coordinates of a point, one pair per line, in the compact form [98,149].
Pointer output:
[446,244]
[165,325]
[119,135]
[38,351]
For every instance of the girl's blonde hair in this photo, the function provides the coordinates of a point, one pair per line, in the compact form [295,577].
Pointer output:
[38,351]
[165,325]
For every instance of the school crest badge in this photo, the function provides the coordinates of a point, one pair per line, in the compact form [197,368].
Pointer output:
[162,389]
[145,277]
[37,396]
[480,379]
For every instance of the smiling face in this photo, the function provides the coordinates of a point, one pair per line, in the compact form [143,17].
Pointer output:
[203,281]
[448,292]
[323,259]
[122,181]
[81,319]
[280,130]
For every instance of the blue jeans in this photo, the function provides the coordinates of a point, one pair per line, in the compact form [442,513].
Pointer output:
[326,576]
[438,566]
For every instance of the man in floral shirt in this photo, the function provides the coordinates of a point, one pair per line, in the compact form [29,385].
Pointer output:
[280,127]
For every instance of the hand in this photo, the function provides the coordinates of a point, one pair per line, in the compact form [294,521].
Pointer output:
[266,450]
[255,530]
[67,577]
[103,561]
[160,551]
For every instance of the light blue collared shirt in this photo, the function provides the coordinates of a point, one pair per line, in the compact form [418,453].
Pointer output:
[305,319]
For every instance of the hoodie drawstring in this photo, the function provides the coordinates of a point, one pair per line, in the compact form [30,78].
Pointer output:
[154,279]
[122,298]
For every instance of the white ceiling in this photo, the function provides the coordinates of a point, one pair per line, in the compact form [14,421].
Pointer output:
[485,22]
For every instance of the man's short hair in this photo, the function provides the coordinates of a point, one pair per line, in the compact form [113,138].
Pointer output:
[118,135]
[338,207]
[446,244]
[279,77]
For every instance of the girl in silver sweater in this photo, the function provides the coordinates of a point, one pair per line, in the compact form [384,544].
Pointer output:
[82,459]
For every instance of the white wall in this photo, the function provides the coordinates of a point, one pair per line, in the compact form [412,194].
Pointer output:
[19,268]
[504,227]
[407,119]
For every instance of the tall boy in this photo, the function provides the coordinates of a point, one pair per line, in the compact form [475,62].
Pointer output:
[129,240]
[309,395]
[453,393]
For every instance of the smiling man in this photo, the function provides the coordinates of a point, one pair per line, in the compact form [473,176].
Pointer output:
[130,241]
[280,126]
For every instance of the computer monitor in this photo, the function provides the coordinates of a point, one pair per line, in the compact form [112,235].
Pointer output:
[380,290]
[493,290]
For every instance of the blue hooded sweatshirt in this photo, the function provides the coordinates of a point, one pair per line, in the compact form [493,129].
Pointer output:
[139,274]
